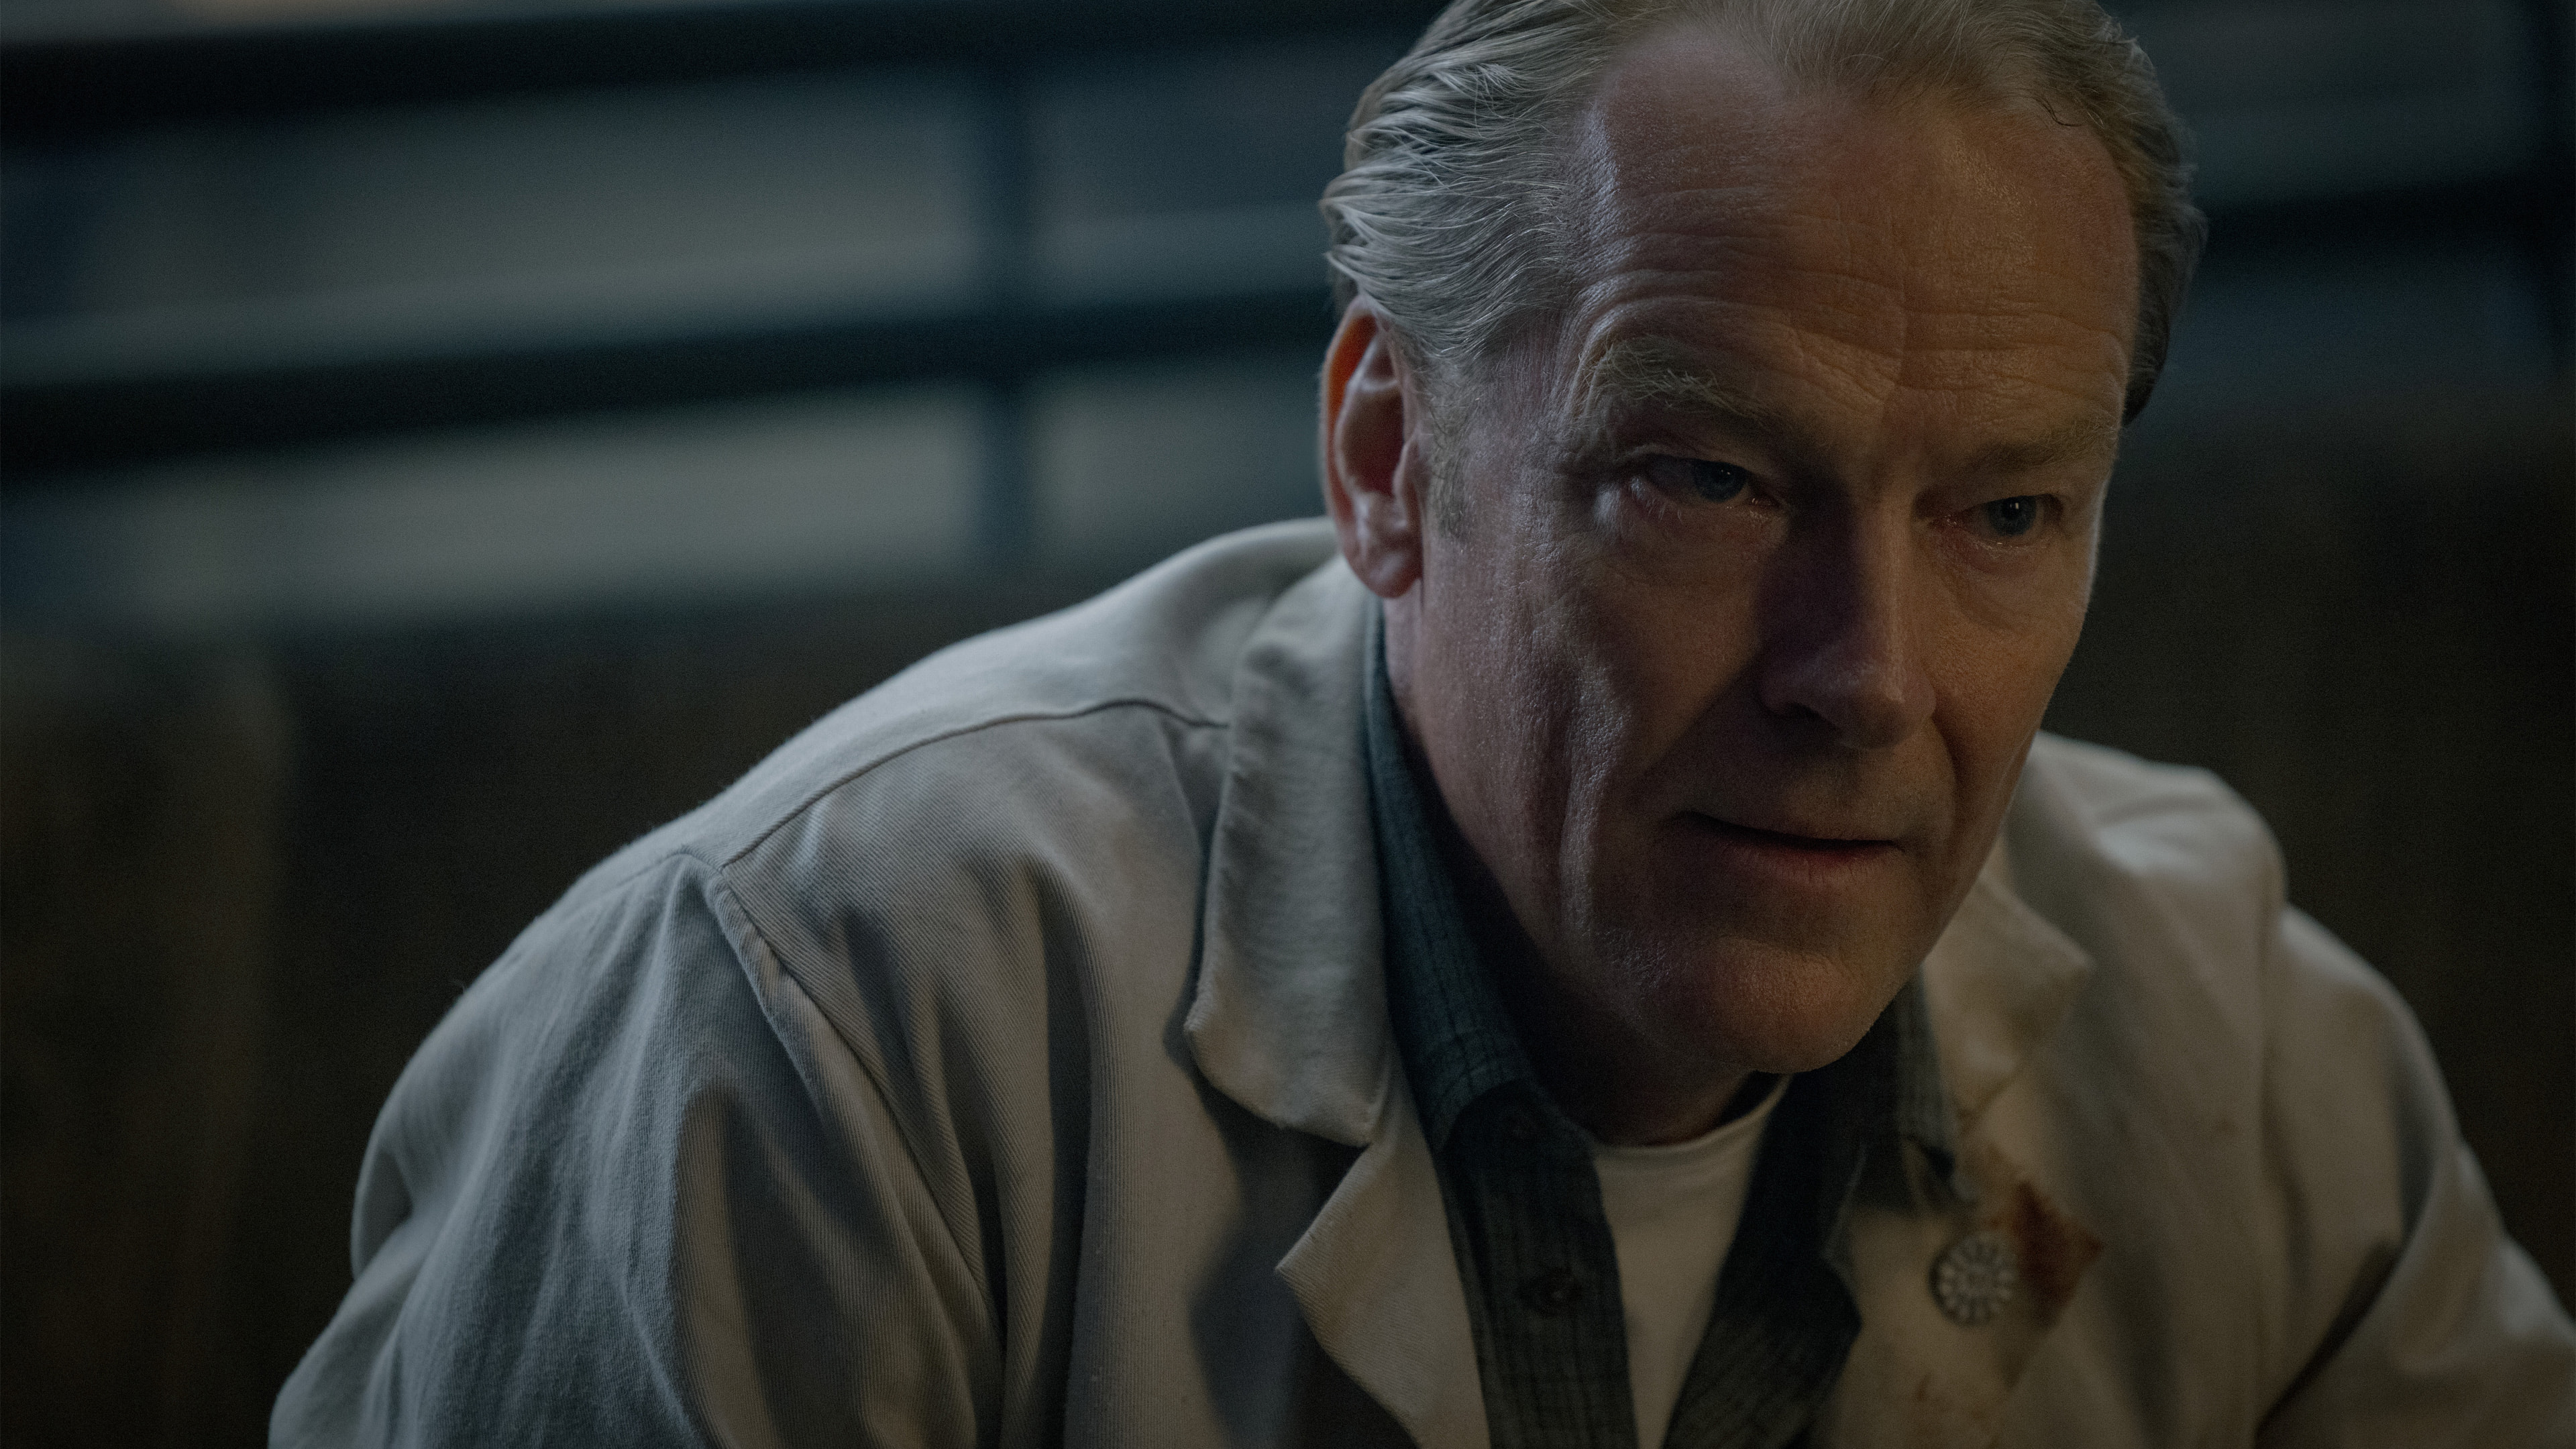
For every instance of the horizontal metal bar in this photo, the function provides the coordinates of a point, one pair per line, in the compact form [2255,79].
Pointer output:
[102,424]
[60,88]
[80,420]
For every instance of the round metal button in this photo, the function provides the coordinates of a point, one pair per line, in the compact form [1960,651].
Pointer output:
[1975,1278]
[1553,1293]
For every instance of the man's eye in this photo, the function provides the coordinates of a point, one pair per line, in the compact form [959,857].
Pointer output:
[1697,478]
[2012,517]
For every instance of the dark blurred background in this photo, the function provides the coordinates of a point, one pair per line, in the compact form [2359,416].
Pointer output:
[438,442]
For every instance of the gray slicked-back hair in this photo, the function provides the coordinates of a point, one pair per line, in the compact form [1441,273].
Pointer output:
[1447,211]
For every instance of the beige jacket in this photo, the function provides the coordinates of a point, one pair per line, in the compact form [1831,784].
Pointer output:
[1005,1062]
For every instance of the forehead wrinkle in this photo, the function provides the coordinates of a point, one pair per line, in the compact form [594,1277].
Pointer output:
[2068,442]
[1663,374]
[1969,359]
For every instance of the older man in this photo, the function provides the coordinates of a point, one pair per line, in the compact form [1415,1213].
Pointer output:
[1596,958]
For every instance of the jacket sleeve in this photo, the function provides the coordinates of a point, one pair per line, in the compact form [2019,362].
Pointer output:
[635,1191]
[2413,1320]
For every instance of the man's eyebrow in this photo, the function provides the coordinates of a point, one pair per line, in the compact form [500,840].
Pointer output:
[2082,438]
[1657,372]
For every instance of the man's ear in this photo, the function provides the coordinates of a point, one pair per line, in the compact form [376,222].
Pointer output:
[1372,471]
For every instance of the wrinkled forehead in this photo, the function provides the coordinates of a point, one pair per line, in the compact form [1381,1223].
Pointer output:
[1695,153]
[1921,243]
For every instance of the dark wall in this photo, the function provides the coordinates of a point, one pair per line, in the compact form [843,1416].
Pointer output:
[242,882]
[2360,616]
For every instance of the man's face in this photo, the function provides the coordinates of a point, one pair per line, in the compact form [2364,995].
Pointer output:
[1770,549]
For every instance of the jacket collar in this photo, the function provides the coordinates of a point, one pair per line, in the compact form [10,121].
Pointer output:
[1290,1018]
[1996,983]
[1290,1015]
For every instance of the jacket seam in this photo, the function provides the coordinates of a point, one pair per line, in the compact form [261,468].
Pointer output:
[751,927]
[790,815]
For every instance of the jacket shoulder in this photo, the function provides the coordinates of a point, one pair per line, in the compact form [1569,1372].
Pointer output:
[2167,828]
[1165,642]
[2163,876]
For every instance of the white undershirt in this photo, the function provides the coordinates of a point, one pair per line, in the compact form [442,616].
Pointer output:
[1672,1212]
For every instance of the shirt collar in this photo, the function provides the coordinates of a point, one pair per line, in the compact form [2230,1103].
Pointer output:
[1456,1039]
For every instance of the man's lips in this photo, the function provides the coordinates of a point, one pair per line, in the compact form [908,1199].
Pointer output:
[1820,844]
[1792,861]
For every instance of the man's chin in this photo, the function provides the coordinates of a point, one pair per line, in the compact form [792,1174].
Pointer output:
[1768,1007]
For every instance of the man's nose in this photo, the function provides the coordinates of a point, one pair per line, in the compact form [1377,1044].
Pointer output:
[1843,637]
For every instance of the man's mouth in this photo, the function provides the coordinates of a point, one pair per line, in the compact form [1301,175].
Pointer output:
[1822,846]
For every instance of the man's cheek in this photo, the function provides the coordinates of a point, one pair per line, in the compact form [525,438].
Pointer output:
[1650,659]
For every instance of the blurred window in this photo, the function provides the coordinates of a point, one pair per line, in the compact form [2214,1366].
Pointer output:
[313,310]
